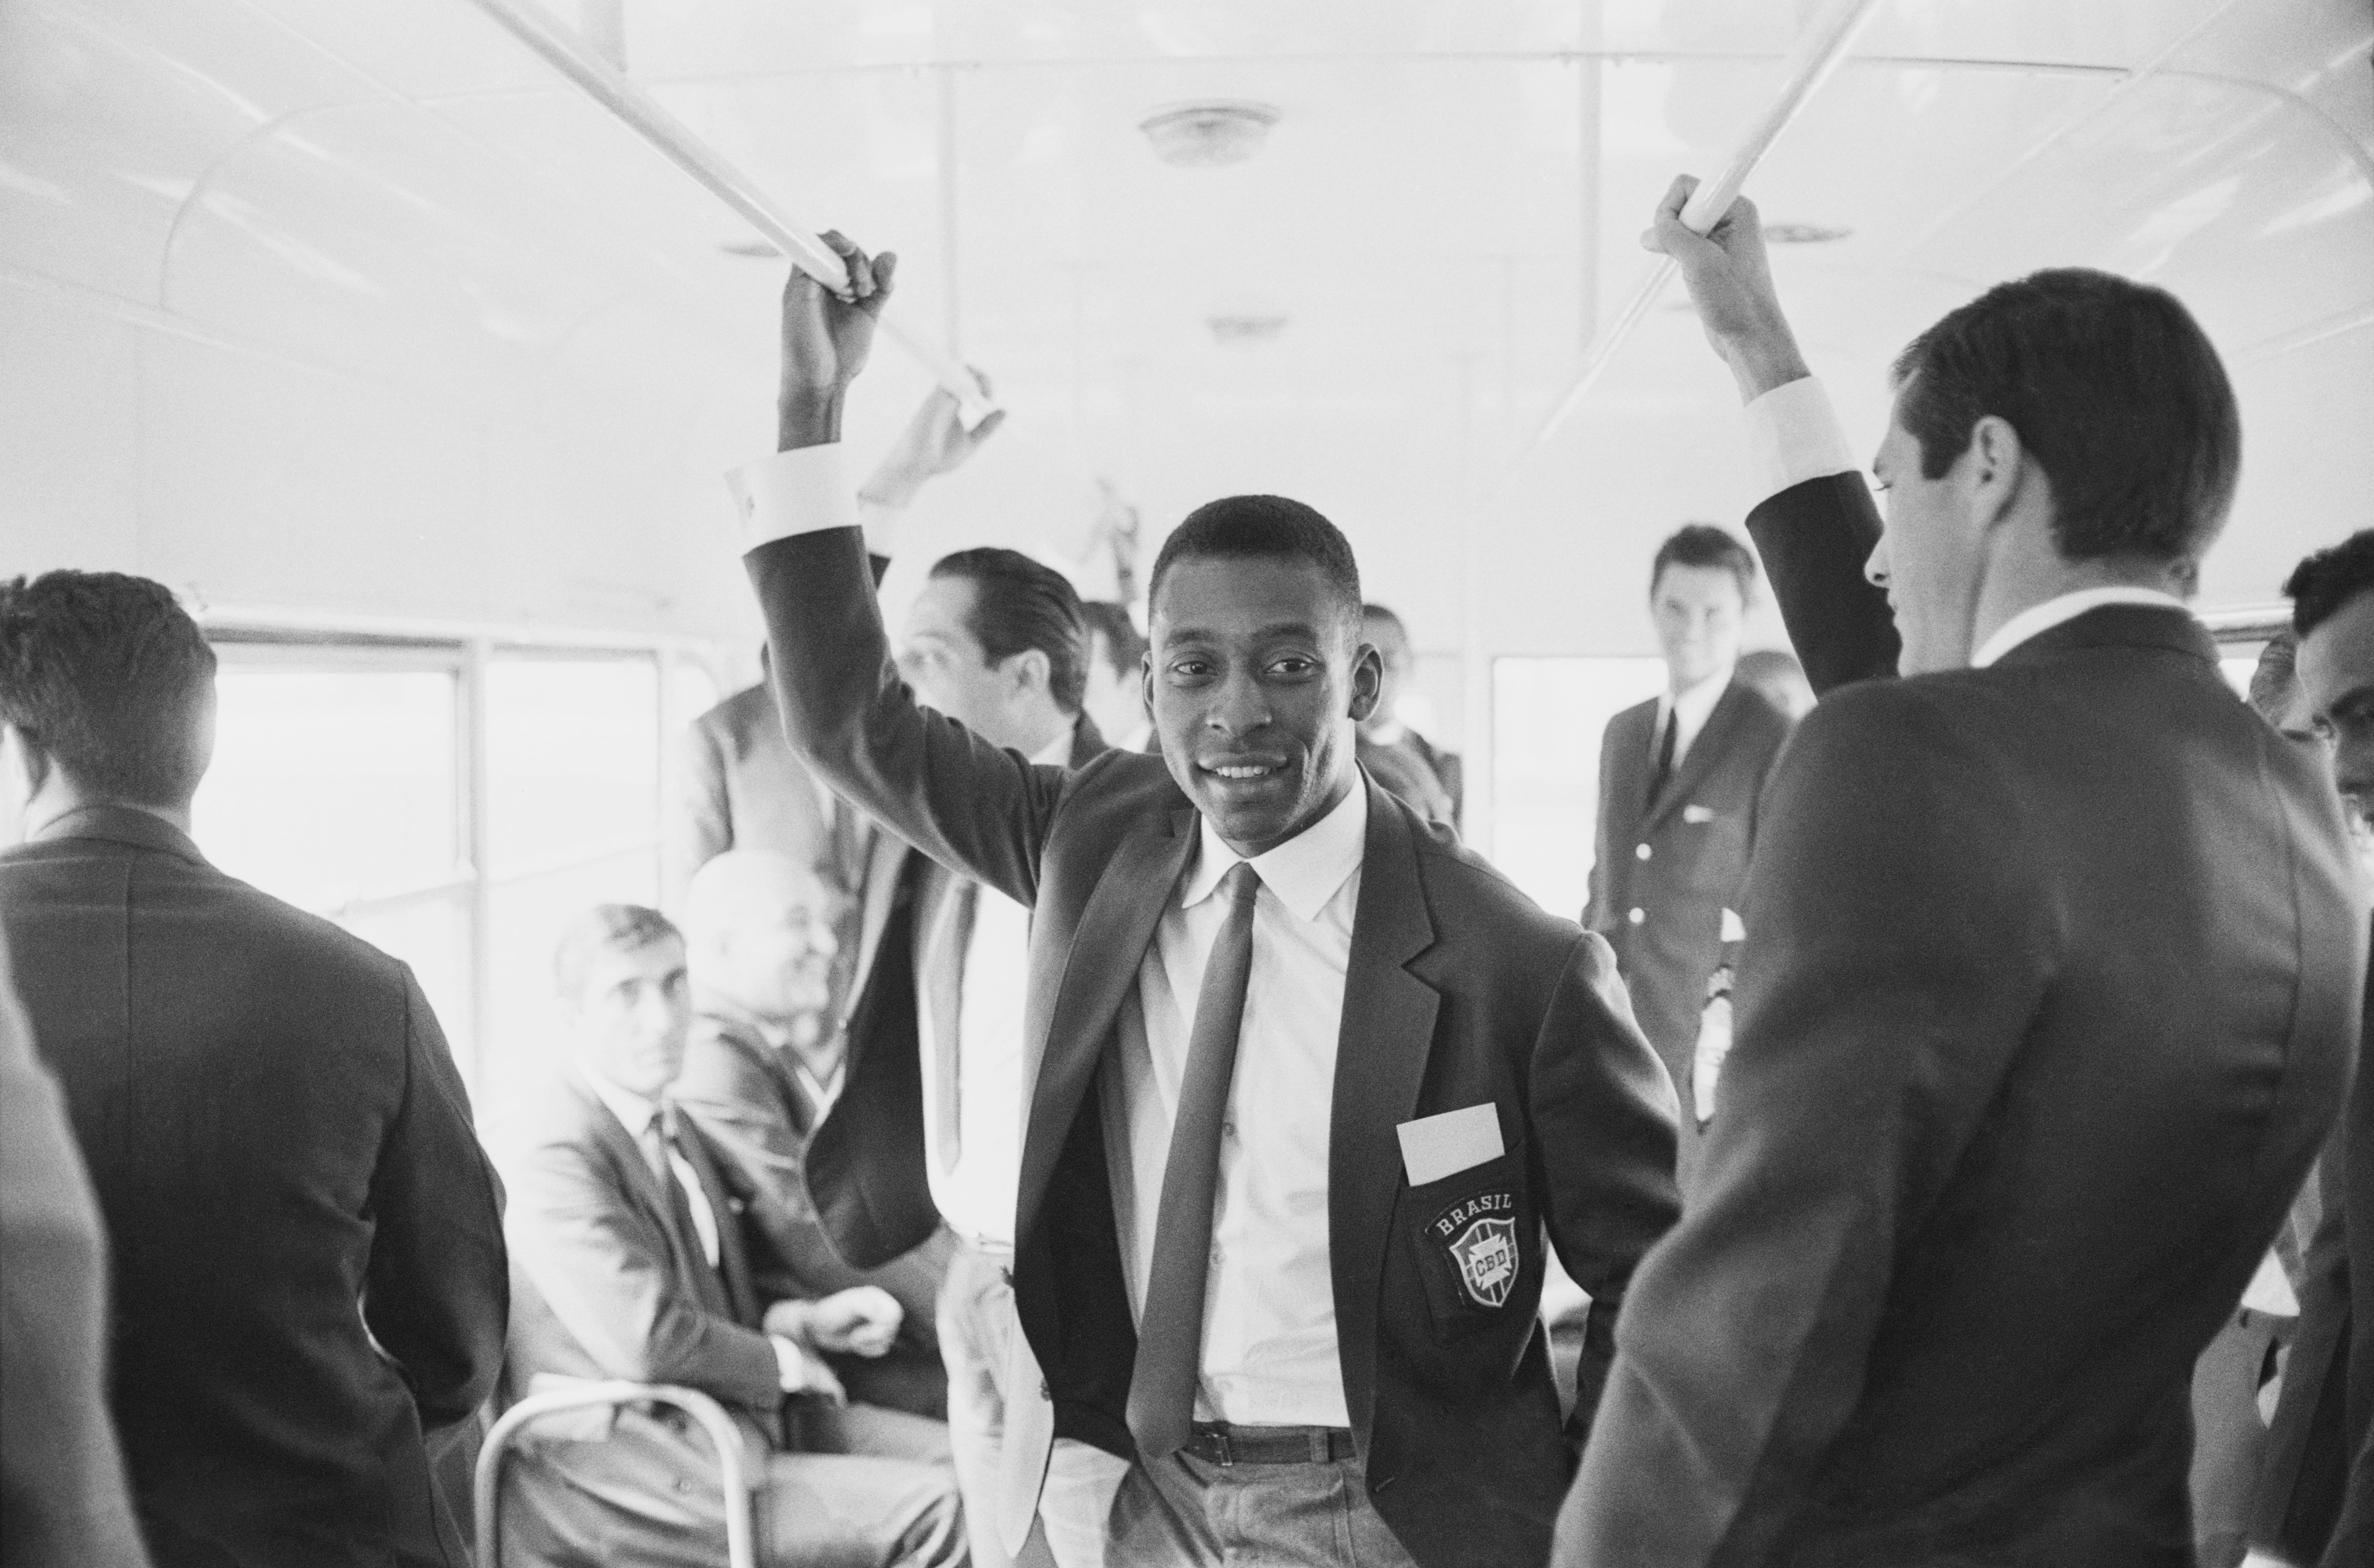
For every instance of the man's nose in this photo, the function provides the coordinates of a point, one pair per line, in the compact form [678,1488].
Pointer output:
[1875,568]
[1241,707]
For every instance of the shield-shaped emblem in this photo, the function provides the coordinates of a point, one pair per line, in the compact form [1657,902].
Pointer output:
[1486,1255]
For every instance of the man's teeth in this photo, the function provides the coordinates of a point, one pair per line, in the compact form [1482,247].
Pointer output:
[1244,771]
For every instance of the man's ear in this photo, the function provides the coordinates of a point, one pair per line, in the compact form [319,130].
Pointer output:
[1998,470]
[1031,669]
[1368,681]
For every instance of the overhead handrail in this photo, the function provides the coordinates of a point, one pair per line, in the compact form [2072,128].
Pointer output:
[1818,50]
[674,140]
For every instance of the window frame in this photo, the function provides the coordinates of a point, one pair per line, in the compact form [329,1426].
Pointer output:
[468,655]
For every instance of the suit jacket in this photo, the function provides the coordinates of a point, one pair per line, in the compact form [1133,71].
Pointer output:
[867,1164]
[277,1132]
[63,1501]
[2051,978]
[1679,861]
[1427,779]
[740,788]
[744,1093]
[1460,992]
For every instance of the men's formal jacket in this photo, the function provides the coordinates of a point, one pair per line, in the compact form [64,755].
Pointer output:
[305,1244]
[741,789]
[1458,993]
[606,1285]
[1669,865]
[744,1092]
[2051,983]
[866,1160]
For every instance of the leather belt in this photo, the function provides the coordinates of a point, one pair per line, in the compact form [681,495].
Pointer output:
[1216,1443]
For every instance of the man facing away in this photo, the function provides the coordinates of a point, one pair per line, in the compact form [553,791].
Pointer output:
[635,1256]
[2051,976]
[305,1247]
[1311,1083]
[1428,779]
[2315,1500]
[1679,776]
[926,1138]
[764,1065]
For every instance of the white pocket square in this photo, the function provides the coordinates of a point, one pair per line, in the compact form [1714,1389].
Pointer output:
[1698,815]
[1733,928]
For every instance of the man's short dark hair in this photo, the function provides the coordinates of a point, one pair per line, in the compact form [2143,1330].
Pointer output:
[605,928]
[1704,544]
[2115,392]
[111,680]
[1019,604]
[1268,528]
[2329,578]
[1379,613]
[1124,644]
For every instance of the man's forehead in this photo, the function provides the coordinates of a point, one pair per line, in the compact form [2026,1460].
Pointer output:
[610,965]
[2338,656]
[1246,596]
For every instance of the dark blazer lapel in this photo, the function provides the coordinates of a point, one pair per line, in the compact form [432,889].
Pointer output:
[1116,924]
[642,1186]
[1706,751]
[886,870]
[1088,742]
[1380,1055]
[1631,738]
[733,1254]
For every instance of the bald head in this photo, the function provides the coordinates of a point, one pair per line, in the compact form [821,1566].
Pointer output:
[759,927]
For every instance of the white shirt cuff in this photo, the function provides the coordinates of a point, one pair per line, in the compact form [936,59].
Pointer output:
[791,1361]
[805,491]
[1793,435]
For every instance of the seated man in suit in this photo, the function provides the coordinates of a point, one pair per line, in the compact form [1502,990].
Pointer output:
[764,1065]
[304,1242]
[2051,976]
[61,1493]
[1430,780]
[1283,1292]
[634,1256]
[1679,776]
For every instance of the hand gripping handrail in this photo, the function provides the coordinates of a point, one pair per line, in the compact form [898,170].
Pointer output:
[1818,50]
[674,140]
[487,1488]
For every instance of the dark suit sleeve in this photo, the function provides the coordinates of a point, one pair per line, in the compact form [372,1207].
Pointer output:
[1595,901]
[601,1265]
[2307,1466]
[1605,1114]
[1815,538]
[1892,979]
[701,826]
[977,809]
[439,1287]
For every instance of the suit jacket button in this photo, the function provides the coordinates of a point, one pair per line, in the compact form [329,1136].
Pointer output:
[1637,916]
[1644,851]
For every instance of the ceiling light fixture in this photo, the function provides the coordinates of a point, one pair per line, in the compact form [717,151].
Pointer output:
[1208,134]
[1804,233]
[1237,330]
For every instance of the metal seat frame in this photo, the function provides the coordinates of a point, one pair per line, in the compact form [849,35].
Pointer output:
[740,1549]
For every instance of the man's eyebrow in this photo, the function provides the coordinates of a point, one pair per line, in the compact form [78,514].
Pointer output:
[2356,698]
[1276,628]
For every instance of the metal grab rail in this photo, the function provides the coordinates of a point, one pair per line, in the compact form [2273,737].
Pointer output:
[487,1484]
[1817,53]
[674,140]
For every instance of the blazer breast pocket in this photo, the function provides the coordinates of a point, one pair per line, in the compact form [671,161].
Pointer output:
[1478,1243]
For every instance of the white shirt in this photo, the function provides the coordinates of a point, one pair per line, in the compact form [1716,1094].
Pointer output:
[1689,711]
[1269,1310]
[1793,435]
[977,1196]
[1269,1318]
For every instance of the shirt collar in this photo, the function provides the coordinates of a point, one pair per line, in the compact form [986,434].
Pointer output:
[1697,703]
[1305,871]
[634,1111]
[2040,618]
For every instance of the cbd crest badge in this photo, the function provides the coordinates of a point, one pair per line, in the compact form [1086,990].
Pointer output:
[1480,1236]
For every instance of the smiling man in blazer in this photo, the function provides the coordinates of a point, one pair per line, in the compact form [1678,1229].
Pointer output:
[1293,1284]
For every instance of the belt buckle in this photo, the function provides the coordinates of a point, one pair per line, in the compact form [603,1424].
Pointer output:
[1227,1456]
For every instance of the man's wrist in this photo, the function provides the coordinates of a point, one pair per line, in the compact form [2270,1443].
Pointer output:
[807,418]
[1763,360]
[794,1321]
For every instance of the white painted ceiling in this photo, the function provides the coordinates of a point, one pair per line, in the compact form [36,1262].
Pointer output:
[397,195]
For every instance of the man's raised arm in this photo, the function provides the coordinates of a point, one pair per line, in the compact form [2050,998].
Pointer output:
[976,809]
[1816,526]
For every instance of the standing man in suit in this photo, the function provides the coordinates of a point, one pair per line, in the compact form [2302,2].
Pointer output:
[272,1121]
[2315,1501]
[764,1065]
[635,1257]
[1310,1082]
[1678,780]
[1432,781]
[925,1141]
[63,1501]
[2051,976]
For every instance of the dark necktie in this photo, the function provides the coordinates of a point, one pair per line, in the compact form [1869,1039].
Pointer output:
[1664,773]
[1170,1334]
